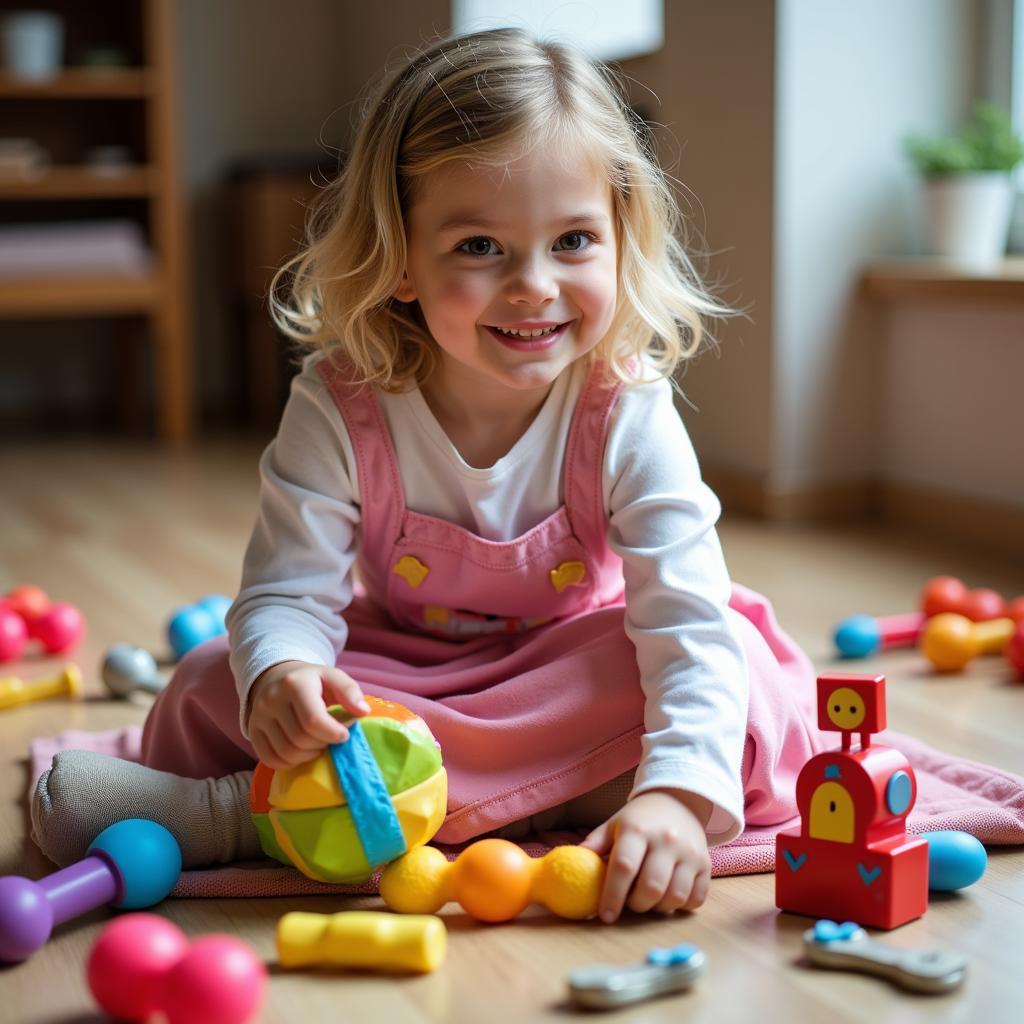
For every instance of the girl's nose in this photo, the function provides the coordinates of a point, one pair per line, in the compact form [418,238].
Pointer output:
[533,283]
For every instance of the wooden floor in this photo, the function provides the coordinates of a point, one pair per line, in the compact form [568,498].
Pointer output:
[128,535]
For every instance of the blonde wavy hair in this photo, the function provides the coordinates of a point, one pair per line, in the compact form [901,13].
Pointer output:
[486,98]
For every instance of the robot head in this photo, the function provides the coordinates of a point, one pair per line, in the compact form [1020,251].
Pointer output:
[851,703]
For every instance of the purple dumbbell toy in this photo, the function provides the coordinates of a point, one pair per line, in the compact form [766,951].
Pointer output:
[132,864]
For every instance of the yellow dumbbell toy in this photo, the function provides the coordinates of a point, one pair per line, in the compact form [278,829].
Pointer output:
[14,691]
[362,938]
[494,880]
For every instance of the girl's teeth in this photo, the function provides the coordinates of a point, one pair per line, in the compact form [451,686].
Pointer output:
[527,334]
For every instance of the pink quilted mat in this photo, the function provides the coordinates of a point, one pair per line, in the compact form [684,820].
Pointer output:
[953,793]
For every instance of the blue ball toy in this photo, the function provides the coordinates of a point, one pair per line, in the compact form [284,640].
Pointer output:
[217,605]
[858,636]
[955,860]
[148,860]
[196,623]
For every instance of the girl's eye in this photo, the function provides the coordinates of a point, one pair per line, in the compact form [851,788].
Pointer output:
[480,245]
[578,238]
[480,240]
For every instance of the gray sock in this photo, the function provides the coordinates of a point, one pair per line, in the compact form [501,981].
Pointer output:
[84,792]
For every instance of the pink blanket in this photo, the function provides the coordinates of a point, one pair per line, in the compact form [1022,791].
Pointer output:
[953,793]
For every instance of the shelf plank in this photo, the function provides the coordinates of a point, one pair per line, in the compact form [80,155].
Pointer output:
[81,83]
[932,280]
[74,182]
[59,297]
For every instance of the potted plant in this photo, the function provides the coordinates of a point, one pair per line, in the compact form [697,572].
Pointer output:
[968,187]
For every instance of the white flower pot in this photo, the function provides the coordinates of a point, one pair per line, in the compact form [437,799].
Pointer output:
[967,217]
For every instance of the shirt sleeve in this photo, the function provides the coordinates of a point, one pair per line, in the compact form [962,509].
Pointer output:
[693,671]
[296,576]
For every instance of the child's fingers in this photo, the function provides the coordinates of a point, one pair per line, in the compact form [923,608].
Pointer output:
[701,887]
[345,690]
[314,720]
[278,750]
[653,880]
[679,891]
[297,723]
[600,840]
[626,859]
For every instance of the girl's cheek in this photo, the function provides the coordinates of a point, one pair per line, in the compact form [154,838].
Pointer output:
[461,294]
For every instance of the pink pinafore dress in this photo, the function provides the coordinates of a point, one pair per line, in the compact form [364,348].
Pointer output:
[514,653]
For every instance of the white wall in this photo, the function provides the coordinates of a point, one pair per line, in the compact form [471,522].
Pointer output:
[852,81]
[952,415]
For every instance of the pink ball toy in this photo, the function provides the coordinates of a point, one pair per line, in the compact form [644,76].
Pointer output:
[13,634]
[128,961]
[59,628]
[220,980]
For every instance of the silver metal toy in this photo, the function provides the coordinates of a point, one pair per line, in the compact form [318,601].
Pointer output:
[604,986]
[847,947]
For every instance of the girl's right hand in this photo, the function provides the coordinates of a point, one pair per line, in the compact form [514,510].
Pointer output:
[288,719]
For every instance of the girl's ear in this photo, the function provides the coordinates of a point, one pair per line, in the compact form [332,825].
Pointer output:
[405,291]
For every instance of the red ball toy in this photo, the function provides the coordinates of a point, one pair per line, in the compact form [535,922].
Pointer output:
[128,961]
[13,634]
[1015,649]
[943,594]
[1015,610]
[983,605]
[142,964]
[59,628]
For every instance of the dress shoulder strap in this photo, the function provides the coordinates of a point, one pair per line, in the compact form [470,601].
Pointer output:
[584,457]
[382,496]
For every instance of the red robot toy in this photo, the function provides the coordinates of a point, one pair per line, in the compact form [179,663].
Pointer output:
[851,858]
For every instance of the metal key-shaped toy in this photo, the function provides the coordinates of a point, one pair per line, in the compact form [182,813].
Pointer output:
[847,947]
[604,986]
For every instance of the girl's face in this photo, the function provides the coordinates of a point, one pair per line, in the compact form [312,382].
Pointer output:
[529,246]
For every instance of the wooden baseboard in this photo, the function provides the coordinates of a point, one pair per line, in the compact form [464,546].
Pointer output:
[962,519]
[834,502]
[958,518]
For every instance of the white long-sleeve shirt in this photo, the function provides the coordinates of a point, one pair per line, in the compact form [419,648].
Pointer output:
[296,578]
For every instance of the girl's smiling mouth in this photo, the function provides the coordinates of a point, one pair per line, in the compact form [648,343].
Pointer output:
[528,342]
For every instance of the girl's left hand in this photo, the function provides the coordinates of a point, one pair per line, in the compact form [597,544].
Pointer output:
[659,854]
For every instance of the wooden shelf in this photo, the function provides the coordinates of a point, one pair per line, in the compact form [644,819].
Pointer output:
[49,297]
[933,281]
[81,83]
[52,113]
[81,183]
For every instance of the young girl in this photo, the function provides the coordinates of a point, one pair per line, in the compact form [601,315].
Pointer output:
[496,300]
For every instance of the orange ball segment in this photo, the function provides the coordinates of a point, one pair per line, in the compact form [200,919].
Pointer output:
[493,880]
[29,601]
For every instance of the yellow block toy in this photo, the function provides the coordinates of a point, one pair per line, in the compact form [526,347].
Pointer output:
[362,938]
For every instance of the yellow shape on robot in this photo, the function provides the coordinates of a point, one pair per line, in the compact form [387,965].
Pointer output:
[831,814]
[846,708]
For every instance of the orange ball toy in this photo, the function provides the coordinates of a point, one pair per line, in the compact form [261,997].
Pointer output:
[950,641]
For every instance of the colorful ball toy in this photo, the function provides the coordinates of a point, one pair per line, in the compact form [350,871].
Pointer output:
[360,804]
